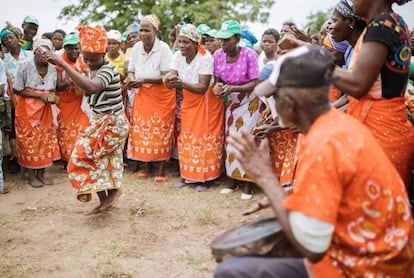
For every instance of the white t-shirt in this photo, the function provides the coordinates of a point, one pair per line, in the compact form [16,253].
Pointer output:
[189,73]
[150,65]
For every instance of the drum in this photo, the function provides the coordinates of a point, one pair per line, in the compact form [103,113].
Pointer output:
[263,237]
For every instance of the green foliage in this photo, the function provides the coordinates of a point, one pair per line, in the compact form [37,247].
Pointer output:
[316,20]
[118,14]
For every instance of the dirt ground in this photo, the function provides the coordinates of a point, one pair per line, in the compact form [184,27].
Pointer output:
[155,230]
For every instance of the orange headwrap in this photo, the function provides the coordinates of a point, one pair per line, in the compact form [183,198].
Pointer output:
[93,39]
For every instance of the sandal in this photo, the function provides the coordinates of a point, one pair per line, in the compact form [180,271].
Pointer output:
[45,181]
[201,188]
[35,183]
[161,179]
[229,190]
[180,184]
[5,191]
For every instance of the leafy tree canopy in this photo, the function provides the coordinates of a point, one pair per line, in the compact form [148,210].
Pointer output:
[118,14]
[316,20]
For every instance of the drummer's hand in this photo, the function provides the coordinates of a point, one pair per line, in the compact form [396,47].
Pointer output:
[262,204]
[254,159]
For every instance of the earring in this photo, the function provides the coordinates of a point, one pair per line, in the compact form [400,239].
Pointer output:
[351,26]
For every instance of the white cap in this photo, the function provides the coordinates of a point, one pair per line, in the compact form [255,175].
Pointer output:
[114,35]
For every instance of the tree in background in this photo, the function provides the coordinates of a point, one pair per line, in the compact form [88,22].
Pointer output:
[316,20]
[118,14]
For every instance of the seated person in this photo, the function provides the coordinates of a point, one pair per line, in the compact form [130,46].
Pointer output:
[349,214]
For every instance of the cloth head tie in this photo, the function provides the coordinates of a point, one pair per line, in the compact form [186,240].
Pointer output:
[153,19]
[192,33]
[93,39]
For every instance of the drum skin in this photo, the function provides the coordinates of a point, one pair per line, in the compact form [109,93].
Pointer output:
[263,237]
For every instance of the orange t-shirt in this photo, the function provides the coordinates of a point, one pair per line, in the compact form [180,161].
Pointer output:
[344,177]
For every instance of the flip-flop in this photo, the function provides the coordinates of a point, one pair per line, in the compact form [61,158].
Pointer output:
[245,196]
[201,188]
[5,191]
[180,184]
[160,179]
[228,190]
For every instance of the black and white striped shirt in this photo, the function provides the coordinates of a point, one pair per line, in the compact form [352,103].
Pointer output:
[109,101]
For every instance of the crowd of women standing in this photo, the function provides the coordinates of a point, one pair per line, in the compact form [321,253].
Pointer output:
[107,97]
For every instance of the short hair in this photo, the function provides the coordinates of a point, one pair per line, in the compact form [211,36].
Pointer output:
[272,32]
[59,31]
[289,23]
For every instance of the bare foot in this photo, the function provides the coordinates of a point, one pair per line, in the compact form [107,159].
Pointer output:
[113,197]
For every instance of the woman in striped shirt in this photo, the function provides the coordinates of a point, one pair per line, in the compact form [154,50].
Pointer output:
[96,163]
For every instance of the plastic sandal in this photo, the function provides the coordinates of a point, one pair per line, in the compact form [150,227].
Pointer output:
[228,190]
[180,184]
[161,179]
[245,196]
[201,188]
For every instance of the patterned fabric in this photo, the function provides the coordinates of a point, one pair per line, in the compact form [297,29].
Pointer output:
[10,29]
[344,178]
[200,143]
[242,111]
[109,101]
[37,145]
[382,109]
[283,154]
[391,30]
[96,163]
[153,19]
[93,39]
[191,32]
[35,121]
[344,7]
[152,123]
[73,117]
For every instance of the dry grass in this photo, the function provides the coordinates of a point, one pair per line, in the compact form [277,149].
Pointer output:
[155,230]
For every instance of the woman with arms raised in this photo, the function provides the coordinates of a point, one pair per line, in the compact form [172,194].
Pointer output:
[96,163]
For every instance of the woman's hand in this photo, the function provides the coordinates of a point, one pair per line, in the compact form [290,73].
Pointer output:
[53,58]
[134,83]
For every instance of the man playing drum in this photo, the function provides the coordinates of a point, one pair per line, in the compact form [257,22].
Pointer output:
[349,214]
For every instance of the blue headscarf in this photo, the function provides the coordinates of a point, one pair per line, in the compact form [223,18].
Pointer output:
[132,29]
[10,29]
[246,34]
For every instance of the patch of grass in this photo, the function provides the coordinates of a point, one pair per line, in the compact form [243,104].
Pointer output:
[199,261]
[112,270]
[207,217]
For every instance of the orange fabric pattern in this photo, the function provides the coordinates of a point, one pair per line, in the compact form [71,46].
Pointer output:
[96,163]
[35,132]
[345,178]
[281,143]
[201,141]
[152,123]
[93,39]
[72,121]
[387,120]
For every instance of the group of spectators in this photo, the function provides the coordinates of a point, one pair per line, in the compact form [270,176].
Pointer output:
[96,98]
